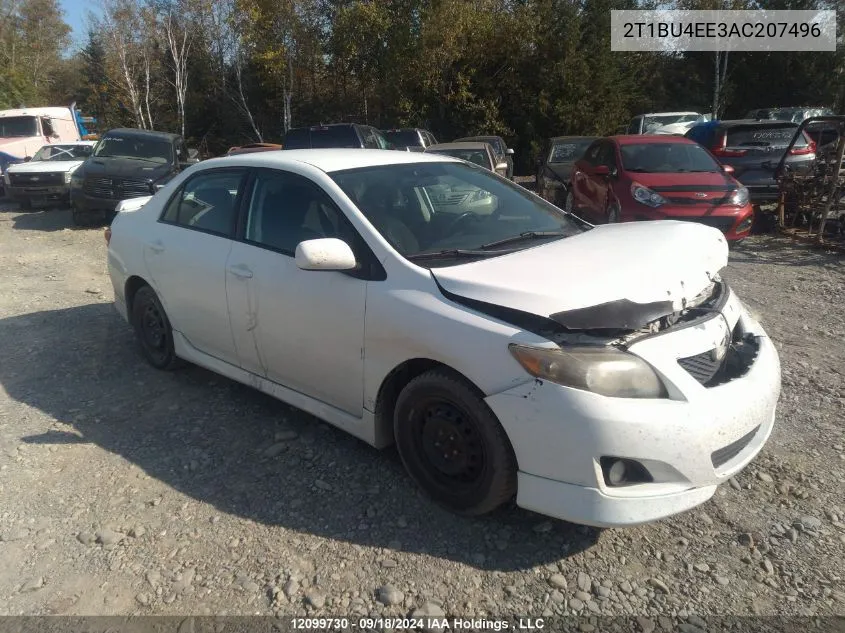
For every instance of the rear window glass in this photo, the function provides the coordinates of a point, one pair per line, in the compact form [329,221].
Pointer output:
[763,136]
[334,137]
[404,138]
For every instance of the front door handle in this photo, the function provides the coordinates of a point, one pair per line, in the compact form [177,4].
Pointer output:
[156,247]
[241,271]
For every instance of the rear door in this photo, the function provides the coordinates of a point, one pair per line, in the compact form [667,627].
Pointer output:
[186,259]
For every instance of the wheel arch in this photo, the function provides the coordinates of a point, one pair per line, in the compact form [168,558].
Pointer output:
[393,384]
[130,289]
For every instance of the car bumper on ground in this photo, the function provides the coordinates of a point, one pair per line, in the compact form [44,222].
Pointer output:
[688,443]
[35,194]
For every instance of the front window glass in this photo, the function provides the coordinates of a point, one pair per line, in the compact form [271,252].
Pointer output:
[63,152]
[664,158]
[207,202]
[429,210]
[136,148]
[568,151]
[477,156]
[18,126]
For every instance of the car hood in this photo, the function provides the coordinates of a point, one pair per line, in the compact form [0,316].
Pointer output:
[616,276]
[126,168]
[45,166]
[683,181]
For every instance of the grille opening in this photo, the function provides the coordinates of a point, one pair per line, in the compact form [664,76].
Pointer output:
[711,370]
[727,453]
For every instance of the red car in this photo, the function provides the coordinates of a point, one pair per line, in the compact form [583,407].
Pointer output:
[637,177]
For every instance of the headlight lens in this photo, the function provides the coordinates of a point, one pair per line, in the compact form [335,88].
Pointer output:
[606,371]
[76,180]
[68,177]
[739,197]
[646,196]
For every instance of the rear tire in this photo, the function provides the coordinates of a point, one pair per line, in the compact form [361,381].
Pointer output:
[452,445]
[153,331]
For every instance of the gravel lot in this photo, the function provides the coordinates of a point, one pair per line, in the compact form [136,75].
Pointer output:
[126,490]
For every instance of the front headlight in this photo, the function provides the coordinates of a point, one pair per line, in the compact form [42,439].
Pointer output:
[76,181]
[603,370]
[68,177]
[739,198]
[646,196]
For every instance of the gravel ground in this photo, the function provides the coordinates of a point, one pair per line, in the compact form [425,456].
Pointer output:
[124,490]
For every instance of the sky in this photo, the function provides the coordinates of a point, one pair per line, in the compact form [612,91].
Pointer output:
[76,15]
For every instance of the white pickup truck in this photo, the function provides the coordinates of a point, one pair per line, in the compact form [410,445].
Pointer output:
[46,176]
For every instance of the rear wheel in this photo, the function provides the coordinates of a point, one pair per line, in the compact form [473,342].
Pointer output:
[153,331]
[452,445]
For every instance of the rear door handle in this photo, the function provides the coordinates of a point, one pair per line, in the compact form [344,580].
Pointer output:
[241,271]
[156,247]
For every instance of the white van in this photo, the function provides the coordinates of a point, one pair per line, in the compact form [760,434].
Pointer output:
[26,130]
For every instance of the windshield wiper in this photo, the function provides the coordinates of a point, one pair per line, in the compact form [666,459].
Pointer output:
[450,253]
[526,235]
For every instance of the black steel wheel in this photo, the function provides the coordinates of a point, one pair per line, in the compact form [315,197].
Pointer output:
[152,330]
[452,445]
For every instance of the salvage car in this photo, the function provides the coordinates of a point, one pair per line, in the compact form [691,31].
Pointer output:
[504,154]
[753,149]
[554,167]
[46,177]
[411,139]
[481,154]
[643,177]
[664,122]
[126,163]
[602,375]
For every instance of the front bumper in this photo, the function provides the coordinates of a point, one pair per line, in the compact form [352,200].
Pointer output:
[50,192]
[81,201]
[560,434]
[734,222]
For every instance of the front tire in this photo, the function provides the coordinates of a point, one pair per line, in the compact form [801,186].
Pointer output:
[452,445]
[153,331]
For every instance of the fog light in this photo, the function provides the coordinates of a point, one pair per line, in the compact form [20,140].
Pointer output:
[618,471]
[745,224]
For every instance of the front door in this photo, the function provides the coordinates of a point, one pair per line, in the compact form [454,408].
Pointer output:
[187,257]
[301,329]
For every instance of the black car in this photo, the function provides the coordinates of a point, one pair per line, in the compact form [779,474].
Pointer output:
[753,148]
[412,139]
[126,163]
[351,135]
[555,165]
[503,152]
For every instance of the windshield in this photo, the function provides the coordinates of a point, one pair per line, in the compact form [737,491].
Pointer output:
[568,151]
[425,208]
[404,138]
[63,152]
[134,147]
[18,126]
[663,158]
[659,121]
[476,156]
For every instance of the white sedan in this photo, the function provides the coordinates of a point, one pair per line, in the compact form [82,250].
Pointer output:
[602,375]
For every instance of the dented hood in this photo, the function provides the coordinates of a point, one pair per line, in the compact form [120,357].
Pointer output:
[616,276]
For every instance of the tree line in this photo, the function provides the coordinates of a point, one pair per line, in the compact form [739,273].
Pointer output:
[227,72]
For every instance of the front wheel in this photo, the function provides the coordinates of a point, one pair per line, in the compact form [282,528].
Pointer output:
[452,445]
[153,331]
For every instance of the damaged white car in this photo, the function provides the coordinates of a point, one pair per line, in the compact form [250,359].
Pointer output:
[602,375]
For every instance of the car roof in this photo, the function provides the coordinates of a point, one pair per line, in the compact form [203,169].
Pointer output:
[128,131]
[639,139]
[478,138]
[460,145]
[328,160]
[755,122]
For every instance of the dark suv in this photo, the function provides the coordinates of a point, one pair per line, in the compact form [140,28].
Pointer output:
[753,148]
[412,139]
[126,163]
[335,135]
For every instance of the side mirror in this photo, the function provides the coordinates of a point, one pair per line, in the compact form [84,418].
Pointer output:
[601,170]
[728,169]
[327,253]
[509,151]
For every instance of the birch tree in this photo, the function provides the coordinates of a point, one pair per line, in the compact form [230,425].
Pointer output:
[178,39]
[121,30]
